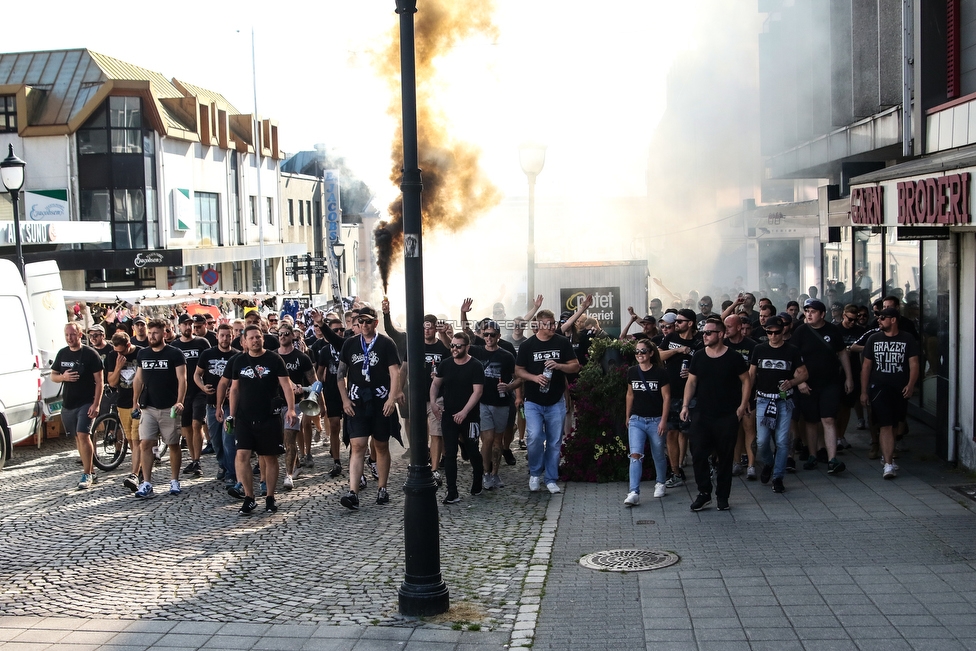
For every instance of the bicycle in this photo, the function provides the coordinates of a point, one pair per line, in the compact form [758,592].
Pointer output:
[108,439]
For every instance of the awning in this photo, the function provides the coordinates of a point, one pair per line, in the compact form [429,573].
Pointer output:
[169,297]
[932,164]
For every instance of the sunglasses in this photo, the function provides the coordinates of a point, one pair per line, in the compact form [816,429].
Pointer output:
[710,332]
[774,332]
[337,330]
[458,345]
[682,320]
[704,305]
[642,351]
[489,334]
[364,320]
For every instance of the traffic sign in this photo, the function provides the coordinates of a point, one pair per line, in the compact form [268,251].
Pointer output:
[210,277]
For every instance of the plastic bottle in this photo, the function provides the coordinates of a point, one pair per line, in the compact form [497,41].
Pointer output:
[548,375]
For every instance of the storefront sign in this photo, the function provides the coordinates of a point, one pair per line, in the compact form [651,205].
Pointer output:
[605,307]
[937,200]
[57,232]
[46,205]
[866,205]
[923,233]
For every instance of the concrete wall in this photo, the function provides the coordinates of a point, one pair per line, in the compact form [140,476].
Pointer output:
[965,351]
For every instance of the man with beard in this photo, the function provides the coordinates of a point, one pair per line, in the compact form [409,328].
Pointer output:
[499,368]
[462,379]
[719,379]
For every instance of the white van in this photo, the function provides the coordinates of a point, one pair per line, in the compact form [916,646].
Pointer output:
[20,364]
[45,298]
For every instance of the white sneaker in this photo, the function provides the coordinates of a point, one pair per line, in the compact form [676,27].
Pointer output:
[174,487]
[534,483]
[297,471]
[633,499]
[553,487]
[497,480]
[659,490]
[889,471]
[486,482]
[289,483]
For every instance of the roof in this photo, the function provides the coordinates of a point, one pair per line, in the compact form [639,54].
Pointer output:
[942,162]
[60,89]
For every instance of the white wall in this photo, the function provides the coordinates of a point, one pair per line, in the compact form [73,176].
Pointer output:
[47,163]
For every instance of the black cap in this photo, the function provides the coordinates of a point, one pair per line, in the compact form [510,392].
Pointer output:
[815,304]
[185,318]
[774,322]
[368,311]
[139,319]
[889,312]
[688,314]
[199,318]
[564,317]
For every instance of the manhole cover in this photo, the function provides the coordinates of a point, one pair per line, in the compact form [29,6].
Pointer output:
[629,560]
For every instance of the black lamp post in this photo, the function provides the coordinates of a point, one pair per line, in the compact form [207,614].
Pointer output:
[532,157]
[12,175]
[423,591]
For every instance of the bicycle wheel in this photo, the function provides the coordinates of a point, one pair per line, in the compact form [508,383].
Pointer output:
[109,441]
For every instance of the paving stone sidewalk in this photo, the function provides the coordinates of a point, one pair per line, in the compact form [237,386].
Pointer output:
[852,562]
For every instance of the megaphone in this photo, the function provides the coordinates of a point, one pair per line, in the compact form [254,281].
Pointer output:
[310,405]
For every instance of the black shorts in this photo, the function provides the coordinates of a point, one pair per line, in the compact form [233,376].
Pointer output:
[888,406]
[200,407]
[512,411]
[674,417]
[370,421]
[189,413]
[264,437]
[823,402]
[333,402]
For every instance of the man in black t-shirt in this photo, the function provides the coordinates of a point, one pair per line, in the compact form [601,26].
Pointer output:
[139,337]
[676,351]
[369,383]
[300,373]
[327,368]
[776,367]
[195,415]
[159,389]
[96,340]
[434,353]
[825,355]
[743,345]
[852,331]
[719,379]
[200,330]
[121,365]
[499,366]
[210,368]
[258,380]
[79,369]
[543,362]
[462,379]
[888,376]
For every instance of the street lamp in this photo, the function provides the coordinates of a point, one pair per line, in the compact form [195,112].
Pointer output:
[532,157]
[12,175]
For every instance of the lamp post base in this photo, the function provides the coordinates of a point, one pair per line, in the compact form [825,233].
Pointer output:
[423,591]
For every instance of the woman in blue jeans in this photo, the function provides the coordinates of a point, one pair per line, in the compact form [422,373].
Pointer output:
[648,398]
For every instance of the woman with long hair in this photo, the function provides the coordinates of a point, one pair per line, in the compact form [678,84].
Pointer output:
[648,399]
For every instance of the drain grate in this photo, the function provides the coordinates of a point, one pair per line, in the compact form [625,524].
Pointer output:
[629,560]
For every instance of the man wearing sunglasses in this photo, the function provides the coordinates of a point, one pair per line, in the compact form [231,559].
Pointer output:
[459,380]
[776,368]
[705,305]
[888,376]
[369,383]
[719,379]
[676,351]
[499,365]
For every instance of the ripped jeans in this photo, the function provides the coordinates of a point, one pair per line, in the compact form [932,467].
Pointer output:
[643,429]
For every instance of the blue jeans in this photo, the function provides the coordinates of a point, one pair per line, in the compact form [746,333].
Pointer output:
[784,414]
[223,443]
[544,438]
[643,429]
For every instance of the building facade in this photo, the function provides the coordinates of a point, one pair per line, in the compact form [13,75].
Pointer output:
[872,100]
[156,179]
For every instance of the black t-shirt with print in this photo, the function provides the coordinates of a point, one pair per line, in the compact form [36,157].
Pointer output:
[298,365]
[532,356]
[126,376]
[889,358]
[380,355]
[191,353]
[648,402]
[161,387]
[744,347]
[86,362]
[457,384]
[773,365]
[213,361]
[328,357]
[673,363]
[718,389]
[257,384]
[434,354]
[498,364]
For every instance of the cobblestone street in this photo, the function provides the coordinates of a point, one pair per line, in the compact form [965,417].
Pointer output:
[104,554]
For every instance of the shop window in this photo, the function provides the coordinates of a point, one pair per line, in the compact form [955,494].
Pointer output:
[301,213]
[291,212]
